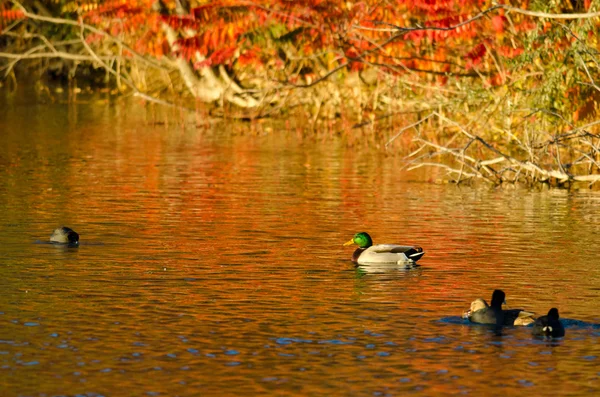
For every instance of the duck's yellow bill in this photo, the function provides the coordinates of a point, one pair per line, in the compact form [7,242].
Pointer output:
[349,242]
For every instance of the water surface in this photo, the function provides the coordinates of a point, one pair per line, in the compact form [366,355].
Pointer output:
[222,269]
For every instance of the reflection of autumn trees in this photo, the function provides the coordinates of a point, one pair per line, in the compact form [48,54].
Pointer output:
[234,240]
[185,182]
[230,239]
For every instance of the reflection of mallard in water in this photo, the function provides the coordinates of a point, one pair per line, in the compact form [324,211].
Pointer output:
[367,253]
[549,325]
[481,313]
[387,270]
[65,235]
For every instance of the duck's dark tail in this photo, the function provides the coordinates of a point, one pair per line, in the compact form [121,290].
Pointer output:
[414,253]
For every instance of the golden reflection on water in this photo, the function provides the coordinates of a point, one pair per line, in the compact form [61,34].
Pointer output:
[222,271]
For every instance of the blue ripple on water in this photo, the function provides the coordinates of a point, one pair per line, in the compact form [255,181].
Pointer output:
[334,342]
[437,339]
[567,322]
[288,341]
[571,323]
[454,320]
[525,382]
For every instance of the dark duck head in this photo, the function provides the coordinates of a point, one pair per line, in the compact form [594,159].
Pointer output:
[65,235]
[549,325]
[498,299]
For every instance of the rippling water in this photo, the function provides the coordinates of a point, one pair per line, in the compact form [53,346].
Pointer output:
[211,264]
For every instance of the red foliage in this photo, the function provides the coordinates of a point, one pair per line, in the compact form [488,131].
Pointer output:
[186,48]
[437,7]
[475,56]
[250,56]
[498,22]
[8,16]
[120,9]
[219,57]
[509,52]
[441,37]
[451,30]
[136,18]
[181,22]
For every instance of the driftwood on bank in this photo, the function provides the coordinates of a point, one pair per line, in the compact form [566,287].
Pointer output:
[560,159]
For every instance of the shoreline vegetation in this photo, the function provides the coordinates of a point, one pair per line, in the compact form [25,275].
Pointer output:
[504,92]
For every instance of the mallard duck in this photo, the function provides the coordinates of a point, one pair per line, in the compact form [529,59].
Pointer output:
[64,235]
[382,253]
[549,325]
[481,313]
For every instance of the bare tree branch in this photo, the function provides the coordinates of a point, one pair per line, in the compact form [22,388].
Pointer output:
[538,14]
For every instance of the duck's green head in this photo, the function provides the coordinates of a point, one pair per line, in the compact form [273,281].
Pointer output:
[362,239]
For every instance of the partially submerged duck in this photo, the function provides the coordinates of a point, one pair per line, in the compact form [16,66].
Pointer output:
[382,253]
[65,235]
[549,325]
[482,313]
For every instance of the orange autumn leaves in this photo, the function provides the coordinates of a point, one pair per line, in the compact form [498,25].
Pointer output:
[425,36]
[428,37]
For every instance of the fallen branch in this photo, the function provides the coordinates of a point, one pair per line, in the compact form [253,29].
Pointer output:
[524,170]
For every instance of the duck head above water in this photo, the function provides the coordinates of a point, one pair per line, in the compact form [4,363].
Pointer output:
[498,298]
[65,235]
[549,326]
[362,239]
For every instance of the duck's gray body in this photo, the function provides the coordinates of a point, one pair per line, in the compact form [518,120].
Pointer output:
[489,315]
[482,313]
[387,253]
